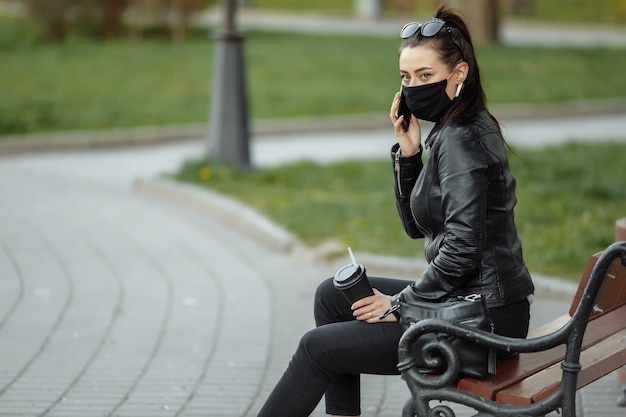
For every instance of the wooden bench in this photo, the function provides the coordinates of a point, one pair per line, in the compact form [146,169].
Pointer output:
[552,363]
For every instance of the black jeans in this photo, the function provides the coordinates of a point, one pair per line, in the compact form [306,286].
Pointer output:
[331,357]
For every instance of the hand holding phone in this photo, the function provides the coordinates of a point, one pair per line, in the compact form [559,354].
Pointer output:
[408,131]
[403,110]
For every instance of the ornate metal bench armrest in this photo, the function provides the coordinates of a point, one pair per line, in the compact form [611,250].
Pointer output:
[451,357]
[570,334]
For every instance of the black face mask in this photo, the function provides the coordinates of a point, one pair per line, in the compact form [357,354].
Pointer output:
[429,101]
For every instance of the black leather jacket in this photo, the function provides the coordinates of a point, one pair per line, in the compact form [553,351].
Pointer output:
[461,201]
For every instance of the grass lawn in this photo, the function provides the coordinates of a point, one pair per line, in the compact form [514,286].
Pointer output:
[568,200]
[85,84]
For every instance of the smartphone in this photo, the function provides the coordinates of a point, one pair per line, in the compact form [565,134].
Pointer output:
[403,110]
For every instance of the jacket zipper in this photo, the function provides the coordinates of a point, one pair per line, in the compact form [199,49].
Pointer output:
[397,169]
[419,226]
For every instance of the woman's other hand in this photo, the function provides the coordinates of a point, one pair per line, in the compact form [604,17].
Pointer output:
[409,140]
[370,308]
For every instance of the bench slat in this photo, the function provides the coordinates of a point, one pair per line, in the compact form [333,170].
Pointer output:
[522,366]
[593,259]
[549,327]
[597,361]
[613,291]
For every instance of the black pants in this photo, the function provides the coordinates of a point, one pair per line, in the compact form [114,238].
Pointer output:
[331,357]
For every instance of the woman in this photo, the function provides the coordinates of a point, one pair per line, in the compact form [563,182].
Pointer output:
[461,201]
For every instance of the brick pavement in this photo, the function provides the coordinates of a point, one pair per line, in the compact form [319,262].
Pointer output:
[117,305]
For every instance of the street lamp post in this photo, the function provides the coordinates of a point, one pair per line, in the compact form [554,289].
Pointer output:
[229,135]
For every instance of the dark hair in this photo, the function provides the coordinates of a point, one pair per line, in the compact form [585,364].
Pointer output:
[454,45]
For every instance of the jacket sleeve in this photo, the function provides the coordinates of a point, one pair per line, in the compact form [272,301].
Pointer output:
[406,170]
[463,180]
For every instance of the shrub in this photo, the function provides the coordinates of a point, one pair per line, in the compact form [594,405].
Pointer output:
[112,18]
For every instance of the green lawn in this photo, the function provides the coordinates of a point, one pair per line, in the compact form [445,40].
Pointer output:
[568,200]
[87,84]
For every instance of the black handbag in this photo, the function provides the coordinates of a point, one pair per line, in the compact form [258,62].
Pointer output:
[476,361]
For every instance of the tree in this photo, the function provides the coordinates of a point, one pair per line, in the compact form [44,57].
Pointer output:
[170,16]
[52,16]
[106,18]
[109,17]
[101,18]
[482,17]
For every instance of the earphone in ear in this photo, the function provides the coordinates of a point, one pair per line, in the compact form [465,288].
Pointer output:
[458,89]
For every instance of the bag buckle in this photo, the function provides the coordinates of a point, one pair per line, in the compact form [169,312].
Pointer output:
[393,308]
[473,297]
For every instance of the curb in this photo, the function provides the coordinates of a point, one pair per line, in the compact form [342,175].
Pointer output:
[82,140]
[238,216]
[265,232]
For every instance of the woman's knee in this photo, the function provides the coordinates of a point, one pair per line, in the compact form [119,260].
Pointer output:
[324,290]
[322,347]
[311,345]
[329,305]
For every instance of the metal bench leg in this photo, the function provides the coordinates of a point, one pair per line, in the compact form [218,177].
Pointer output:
[409,408]
[621,401]
[621,378]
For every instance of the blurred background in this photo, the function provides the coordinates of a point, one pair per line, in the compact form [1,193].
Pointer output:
[76,64]
[95,65]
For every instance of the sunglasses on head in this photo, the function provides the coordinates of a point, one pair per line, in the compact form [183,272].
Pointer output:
[428,30]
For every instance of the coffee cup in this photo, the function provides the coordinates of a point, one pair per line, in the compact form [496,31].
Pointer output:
[352,281]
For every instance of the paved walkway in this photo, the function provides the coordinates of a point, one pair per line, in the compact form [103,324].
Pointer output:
[512,31]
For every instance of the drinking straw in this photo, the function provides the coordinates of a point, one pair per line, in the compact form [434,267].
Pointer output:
[352,256]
